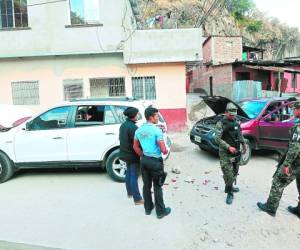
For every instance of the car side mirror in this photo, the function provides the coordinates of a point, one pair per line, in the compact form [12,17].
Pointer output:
[28,126]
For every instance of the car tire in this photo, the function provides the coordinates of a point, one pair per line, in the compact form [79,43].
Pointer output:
[6,168]
[247,155]
[115,167]
[202,148]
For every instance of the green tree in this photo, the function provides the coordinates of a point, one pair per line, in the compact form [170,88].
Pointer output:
[240,8]
[254,26]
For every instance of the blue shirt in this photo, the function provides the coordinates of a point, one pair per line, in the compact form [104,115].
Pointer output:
[148,135]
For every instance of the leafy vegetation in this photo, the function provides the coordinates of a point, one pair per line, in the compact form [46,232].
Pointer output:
[225,17]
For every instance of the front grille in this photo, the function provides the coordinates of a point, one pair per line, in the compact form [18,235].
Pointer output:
[201,129]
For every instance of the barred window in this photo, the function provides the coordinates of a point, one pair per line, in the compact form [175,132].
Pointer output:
[13,14]
[144,88]
[73,88]
[107,87]
[25,93]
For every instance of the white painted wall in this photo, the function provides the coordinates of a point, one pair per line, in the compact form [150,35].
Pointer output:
[51,71]
[164,45]
[49,36]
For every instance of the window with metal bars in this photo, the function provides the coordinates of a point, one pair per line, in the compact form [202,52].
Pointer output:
[13,14]
[25,93]
[107,87]
[73,88]
[144,88]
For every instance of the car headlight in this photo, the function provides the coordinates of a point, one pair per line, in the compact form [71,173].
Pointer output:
[213,134]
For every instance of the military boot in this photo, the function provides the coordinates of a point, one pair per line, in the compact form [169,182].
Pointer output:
[295,210]
[229,198]
[232,189]
[264,207]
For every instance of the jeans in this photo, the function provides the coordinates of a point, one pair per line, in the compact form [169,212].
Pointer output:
[131,182]
[151,170]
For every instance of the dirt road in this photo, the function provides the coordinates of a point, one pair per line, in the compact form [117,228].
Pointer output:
[86,210]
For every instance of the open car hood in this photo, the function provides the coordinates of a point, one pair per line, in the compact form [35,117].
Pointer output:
[218,105]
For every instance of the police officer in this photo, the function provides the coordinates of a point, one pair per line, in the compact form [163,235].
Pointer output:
[288,171]
[229,138]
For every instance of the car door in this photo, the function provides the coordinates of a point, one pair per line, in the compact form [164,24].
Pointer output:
[45,137]
[93,133]
[274,130]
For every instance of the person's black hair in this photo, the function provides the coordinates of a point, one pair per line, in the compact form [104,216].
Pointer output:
[131,112]
[150,111]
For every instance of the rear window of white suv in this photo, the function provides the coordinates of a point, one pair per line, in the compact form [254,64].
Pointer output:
[119,112]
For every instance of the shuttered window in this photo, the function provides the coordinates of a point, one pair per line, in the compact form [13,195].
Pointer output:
[73,89]
[25,93]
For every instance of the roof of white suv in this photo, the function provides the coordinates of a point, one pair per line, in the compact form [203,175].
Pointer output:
[109,101]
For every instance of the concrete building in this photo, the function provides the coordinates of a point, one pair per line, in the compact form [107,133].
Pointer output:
[226,60]
[51,51]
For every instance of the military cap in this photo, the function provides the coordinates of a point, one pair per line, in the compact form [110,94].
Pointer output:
[297,105]
[131,112]
[231,109]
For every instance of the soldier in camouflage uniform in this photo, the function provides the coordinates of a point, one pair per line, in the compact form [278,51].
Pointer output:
[288,171]
[229,138]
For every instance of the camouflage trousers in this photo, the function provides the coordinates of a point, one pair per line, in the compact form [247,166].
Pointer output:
[229,174]
[280,181]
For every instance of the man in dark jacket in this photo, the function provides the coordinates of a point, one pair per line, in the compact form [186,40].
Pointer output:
[127,154]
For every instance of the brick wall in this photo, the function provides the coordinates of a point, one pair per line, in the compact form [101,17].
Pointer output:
[219,49]
[226,49]
[207,51]
[221,76]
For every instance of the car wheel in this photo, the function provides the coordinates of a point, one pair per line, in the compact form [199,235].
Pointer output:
[115,167]
[6,168]
[245,157]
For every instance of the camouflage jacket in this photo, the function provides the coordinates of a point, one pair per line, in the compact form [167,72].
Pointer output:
[293,152]
[223,145]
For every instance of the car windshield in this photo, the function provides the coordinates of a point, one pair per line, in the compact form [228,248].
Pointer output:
[253,108]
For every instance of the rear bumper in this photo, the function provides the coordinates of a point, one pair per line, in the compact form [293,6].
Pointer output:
[207,142]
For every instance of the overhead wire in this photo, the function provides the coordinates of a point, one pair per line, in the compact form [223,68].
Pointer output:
[208,13]
[44,3]
[130,37]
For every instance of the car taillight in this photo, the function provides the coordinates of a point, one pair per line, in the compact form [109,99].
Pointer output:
[162,127]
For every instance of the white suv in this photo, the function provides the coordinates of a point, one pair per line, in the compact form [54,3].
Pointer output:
[82,133]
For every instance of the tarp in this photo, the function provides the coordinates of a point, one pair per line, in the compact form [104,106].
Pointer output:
[246,89]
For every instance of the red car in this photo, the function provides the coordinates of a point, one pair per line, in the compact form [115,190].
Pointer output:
[265,123]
